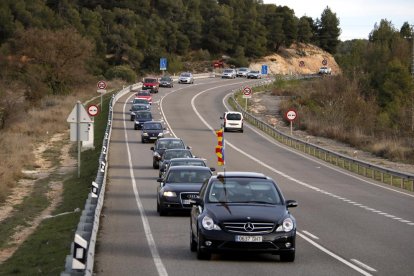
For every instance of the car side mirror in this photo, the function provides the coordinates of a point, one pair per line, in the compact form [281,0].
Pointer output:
[152,148]
[196,201]
[212,169]
[188,147]
[221,118]
[159,179]
[291,203]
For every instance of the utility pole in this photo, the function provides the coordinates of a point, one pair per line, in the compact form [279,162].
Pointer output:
[412,76]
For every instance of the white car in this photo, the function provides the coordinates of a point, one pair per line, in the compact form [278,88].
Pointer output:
[254,75]
[324,70]
[229,74]
[233,120]
[242,72]
[186,77]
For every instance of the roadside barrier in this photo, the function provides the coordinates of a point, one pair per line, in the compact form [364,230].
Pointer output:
[388,176]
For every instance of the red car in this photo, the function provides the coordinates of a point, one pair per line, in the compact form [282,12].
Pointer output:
[151,83]
[144,95]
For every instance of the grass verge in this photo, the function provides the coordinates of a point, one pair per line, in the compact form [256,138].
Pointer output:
[44,252]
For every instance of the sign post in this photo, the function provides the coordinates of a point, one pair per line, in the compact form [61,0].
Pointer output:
[247,94]
[79,127]
[291,116]
[93,110]
[101,88]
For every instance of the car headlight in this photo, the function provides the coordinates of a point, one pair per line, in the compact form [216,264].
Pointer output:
[169,194]
[209,224]
[160,134]
[144,134]
[286,226]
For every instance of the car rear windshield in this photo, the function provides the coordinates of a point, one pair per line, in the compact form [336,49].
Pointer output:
[234,116]
[242,190]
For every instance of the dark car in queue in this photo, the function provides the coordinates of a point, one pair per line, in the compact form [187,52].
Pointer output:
[163,144]
[170,154]
[242,211]
[180,185]
[141,117]
[185,162]
[137,107]
[141,101]
[151,131]
[166,81]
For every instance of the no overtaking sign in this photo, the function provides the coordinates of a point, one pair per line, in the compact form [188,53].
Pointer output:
[247,92]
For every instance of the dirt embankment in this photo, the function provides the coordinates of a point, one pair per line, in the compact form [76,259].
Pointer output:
[298,59]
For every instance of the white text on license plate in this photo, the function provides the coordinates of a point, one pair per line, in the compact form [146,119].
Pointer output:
[249,238]
[186,201]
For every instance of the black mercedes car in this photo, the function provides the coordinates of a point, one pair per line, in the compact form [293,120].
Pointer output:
[179,185]
[242,211]
[161,145]
[151,131]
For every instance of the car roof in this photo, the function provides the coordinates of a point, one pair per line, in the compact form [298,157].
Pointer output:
[177,150]
[170,139]
[232,112]
[152,122]
[238,174]
[185,167]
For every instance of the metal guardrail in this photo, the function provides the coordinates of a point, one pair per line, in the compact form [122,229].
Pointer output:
[382,174]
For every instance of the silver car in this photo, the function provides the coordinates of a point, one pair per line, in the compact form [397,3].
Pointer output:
[186,77]
[242,72]
[229,74]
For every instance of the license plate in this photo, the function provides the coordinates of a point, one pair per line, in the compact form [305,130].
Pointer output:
[153,137]
[249,238]
[186,201]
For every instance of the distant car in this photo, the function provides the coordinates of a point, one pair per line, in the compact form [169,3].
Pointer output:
[141,117]
[170,154]
[245,212]
[186,77]
[163,144]
[166,81]
[141,101]
[229,74]
[137,107]
[144,95]
[180,185]
[242,72]
[233,120]
[150,83]
[324,70]
[185,162]
[151,131]
[254,75]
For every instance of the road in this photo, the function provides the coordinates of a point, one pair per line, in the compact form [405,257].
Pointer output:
[347,225]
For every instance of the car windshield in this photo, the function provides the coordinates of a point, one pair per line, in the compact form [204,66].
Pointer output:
[242,69]
[188,176]
[140,101]
[228,71]
[233,116]
[137,107]
[150,80]
[170,144]
[242,190]
[142,93]
[152,126]
[176,154]
[254,72]
[186,75]
[143,115]
[165,79]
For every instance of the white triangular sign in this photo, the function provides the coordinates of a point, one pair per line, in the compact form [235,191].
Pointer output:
[84,117]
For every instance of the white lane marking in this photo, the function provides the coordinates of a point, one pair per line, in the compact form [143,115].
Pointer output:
[310,235]
[333,255]
[364,266]
[281,174]
[162,271]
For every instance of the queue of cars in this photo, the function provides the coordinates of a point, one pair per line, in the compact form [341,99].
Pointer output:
[230,211]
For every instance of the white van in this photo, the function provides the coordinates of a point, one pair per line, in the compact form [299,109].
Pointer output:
[232,121]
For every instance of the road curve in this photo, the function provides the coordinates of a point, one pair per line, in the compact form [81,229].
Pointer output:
[347,225]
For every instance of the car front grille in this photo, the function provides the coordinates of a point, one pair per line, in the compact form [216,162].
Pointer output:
[249,227]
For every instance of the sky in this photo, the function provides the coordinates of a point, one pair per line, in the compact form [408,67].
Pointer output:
[356,17]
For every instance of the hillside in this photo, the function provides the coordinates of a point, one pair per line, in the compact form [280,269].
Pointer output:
[287,60]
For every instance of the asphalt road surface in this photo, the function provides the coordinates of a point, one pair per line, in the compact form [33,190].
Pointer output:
[347,225]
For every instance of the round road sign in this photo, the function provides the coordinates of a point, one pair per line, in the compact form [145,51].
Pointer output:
[301,63]
[247,91]
[93,110]
[324,62]
[291,115]
[101,84]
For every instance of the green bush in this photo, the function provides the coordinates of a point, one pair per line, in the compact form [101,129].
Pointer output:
[123,72]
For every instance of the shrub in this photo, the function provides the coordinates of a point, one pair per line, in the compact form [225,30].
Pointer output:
[123,72]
